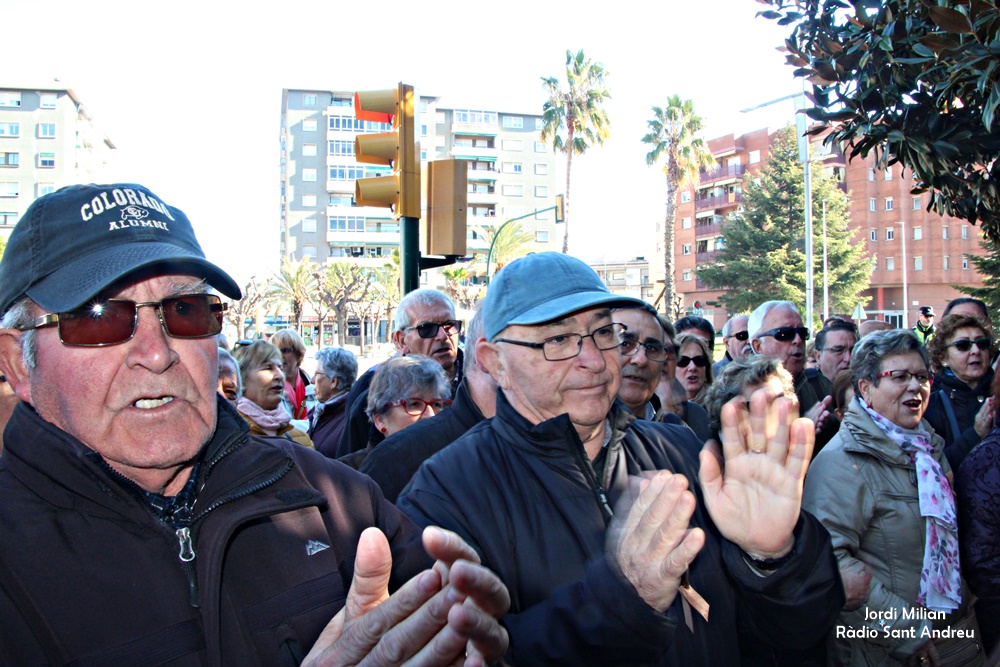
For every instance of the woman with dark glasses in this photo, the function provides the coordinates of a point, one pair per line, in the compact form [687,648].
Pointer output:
[961,408]
[694,366]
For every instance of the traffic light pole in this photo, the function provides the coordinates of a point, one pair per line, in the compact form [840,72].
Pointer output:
[489,253]
[409,255]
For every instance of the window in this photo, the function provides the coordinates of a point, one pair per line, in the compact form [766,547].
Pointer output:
[513,190]
[872,204]
[686,249]
[965,231]
[541,237]
[347,223]
[873,234]
[917,204]
[309,201]
[474,117]
[685,224]
[888,203]
[513,168]
[871,174]
[513,145]
[544,215]
[341,200]
[309,125]
[8,217]
[890,263]
[887,174]
[918,233]
[423,156]
[308,99]
[309,251]
[539,146]
[423,130]
[944,232]
[515,122]
[685,196]
[309,175]
[965,262]
[686,275]
[541,191]
[10,129]
[47,100]
[340,147]
[308,150]
[45,189]
[511,211]
[890,233]
[309,225]
[46,160]
[918,263]
[754,157]
[9,159]
[541,169]
[46,130]
[946,262]
[9,189]
[10,99]
[345,172]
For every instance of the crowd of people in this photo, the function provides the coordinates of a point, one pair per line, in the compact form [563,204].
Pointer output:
[575,481]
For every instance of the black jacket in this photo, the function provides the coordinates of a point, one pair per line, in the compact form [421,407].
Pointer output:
[89,576]
[398,457]
[526,498]
[325,430]
[966,403]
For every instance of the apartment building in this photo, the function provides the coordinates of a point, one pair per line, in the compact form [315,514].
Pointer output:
[511,174]
[628,277]
[48,140]
[883,214]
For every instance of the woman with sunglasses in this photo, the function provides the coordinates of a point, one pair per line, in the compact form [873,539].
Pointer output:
[263,389]
[694,366]
[961,409]
[403,391]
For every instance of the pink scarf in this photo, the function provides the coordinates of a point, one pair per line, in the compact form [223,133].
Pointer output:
[940,579]
[269,420]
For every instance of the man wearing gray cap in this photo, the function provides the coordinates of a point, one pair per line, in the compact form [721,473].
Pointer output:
[542,492]
[140,523]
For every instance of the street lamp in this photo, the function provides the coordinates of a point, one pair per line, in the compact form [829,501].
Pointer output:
[826,277]
[906,296]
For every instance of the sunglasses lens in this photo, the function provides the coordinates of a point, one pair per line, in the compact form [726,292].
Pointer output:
[984,343]
[194,316]
[103,323]
[963,345]
[741,335]
[427,330]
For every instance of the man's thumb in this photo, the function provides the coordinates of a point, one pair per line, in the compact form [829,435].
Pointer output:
[372,567]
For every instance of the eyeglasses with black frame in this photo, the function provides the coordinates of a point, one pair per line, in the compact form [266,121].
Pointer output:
[417,406]
[568,345]
[654,351]
[902,377]
[114,321]
[430,329]
[965,344]
[786,334]
[700,361]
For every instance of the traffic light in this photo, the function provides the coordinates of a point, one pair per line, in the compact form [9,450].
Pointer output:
[443,227]
[560,216]
[400,190]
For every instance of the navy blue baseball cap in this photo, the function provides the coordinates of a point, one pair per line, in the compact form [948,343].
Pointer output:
[545,286]
[76,242]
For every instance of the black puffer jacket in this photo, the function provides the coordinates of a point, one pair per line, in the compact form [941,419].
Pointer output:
[526,498]
[966,402]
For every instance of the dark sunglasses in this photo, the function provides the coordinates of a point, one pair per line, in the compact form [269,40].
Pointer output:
[114,321]
[700,361]
[430,329]
[785,334]
[964,344]
[741,335]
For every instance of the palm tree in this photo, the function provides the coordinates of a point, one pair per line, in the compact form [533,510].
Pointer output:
[295,283]
[579,111]
[672,137]
[509,241]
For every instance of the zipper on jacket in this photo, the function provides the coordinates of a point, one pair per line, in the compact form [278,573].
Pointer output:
[187,548]
[588,472]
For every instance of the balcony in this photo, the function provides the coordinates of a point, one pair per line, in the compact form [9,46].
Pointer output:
[706,257]
[479,129]
[718,201]
[721,172]
[474,153]
[365,238]
[483,197]
[710,228]
[483,174]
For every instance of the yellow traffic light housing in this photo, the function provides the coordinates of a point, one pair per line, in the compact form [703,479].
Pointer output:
[443,228]
[401,189]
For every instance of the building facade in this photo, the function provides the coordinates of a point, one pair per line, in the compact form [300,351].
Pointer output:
[882,211]
[47,140]
[511,174]
[627,278]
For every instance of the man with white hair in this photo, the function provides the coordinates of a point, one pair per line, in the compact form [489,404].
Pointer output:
[736,339]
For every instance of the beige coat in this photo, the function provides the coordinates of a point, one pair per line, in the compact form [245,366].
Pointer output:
[862,487]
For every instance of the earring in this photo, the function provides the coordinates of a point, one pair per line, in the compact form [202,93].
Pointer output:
[384,430]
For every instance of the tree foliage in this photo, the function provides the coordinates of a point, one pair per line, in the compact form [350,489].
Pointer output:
[988,266]
[764,256]
[573,119]
[673,139]
[294,284]
[915,81]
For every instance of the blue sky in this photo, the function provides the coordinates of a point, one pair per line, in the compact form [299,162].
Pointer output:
[190,92]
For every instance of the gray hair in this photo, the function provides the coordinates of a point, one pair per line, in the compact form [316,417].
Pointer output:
[424,296]
[473,332]
[727,328]
[755,324]
[20,315]
[339,364]
[873,349]
[737,376]
[402,377]
[225,357]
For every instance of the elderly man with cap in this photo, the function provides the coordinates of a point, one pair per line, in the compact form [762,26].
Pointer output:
[140,523]
[924,328]
[542,492]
